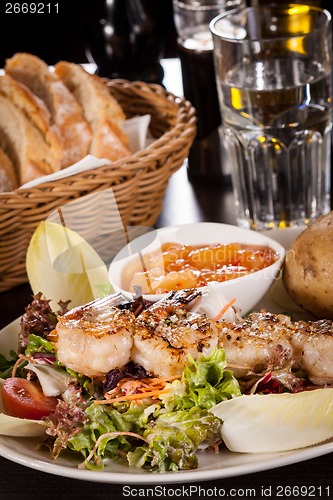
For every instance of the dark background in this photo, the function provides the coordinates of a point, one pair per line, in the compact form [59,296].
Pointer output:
[54,36]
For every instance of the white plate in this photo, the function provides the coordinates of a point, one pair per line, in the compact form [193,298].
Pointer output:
[211,466]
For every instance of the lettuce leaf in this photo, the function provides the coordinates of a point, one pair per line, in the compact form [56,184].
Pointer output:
[172,429]
[204,383]
[103,420]
[53,380]
[38,344]
[7,365]
[174,438]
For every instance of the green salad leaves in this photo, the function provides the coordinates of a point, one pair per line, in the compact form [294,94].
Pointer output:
[165,435]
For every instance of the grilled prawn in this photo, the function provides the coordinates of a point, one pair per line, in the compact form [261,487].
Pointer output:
[269,341]
[95,338]
[313,348]
[98,337]
[168,332]
[257,343]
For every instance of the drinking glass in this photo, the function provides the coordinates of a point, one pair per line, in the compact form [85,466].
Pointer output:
[274,77]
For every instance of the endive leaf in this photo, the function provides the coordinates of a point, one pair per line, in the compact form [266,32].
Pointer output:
[64,266]
[276,422]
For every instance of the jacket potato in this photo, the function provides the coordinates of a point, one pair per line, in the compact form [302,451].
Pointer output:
[308,268]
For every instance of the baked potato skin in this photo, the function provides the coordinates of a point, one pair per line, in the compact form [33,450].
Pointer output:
[308,268]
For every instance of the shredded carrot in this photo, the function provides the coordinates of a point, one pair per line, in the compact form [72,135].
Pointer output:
[133,397]
[224,309]
[53,336]
[215,446]
[129,389]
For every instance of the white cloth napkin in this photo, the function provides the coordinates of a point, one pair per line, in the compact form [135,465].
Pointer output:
[137,130]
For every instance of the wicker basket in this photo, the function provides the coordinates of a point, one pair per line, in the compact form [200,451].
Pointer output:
[138,182]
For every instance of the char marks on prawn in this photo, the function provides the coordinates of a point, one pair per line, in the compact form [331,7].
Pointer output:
[168,332]
[273,341]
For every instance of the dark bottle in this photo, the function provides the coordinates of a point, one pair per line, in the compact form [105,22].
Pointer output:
[206,159]
[123,42]
[199,85]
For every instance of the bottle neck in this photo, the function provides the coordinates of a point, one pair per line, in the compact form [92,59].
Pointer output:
[123,41]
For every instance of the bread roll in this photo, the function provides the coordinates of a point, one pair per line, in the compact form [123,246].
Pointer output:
[103,113]
[65,111]
[8,177]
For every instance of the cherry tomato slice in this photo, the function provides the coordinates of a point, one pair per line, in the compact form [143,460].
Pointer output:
[25,399]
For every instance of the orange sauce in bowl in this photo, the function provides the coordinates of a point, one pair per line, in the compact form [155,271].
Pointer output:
[176,266]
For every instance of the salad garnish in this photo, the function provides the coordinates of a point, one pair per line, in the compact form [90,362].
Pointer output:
[149,422]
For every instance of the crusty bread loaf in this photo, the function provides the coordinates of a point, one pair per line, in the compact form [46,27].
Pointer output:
[35,111]
[103,113]
[52,119]
[8,177]
[65,111]
[23,142]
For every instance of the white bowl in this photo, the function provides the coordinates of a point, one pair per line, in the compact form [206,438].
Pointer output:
[247,290]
